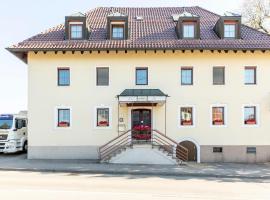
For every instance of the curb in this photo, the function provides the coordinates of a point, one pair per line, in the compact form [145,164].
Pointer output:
[111,172]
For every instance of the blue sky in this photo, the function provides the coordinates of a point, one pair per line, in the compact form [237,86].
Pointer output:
[21,19]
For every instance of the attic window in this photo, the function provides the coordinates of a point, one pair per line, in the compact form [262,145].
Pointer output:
[188,30]
[75,27]
[117,26]
[229,29]
[118,31]
[188,25]
[76,30]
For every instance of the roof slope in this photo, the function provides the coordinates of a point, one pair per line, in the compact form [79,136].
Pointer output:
[155,31]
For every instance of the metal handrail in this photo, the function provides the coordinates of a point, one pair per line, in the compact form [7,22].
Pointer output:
[157,138]
[116,148]
[115,144]
[181,152]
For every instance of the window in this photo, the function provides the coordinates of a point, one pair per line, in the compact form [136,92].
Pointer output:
[229,30]
[102,76]
[189,30]
[6,121]
[19,123]
[251,150]
[218,116]
[250,75]
[103,117]
[63,77]
[186,76]
[76,31]
[117,31]
[218,75]
[63,118]
[250,115]
[186,116]
[141,76]
[217,149]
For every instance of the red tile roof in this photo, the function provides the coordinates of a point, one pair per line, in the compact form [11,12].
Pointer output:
[155,31]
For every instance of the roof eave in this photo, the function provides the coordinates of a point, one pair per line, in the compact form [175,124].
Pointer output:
[22,52]
[22,55]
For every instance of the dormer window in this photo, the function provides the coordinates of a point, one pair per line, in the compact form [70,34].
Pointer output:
[118,31]
[188,30]
[75,27]
[188,26]
[117,26]
[229,26]
[229,30]
[76,30]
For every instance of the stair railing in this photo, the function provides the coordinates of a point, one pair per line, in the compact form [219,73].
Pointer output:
[116,144]
[169,145]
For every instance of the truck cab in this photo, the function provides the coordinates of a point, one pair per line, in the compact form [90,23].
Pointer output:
[13,133]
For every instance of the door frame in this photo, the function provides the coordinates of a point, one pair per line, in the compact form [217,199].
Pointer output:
[153,124]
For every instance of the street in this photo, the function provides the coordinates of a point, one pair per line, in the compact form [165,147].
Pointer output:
[47,185]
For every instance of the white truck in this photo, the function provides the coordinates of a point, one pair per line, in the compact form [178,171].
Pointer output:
[13,132]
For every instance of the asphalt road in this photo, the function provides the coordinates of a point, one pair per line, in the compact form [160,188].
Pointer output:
[35,185]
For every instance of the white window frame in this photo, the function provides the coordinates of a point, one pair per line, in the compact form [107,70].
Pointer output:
[257,107]
[56,117]
[185,25]
[118,23]
[95,117]
[193,116]
[225,116]
[230,24]
[78,24]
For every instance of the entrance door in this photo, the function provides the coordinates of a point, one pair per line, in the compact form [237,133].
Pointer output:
[141,124]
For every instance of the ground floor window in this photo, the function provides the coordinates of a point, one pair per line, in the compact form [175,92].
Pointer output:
[103,117]
[218,115]
[186,116]
[63,117]
[250,115]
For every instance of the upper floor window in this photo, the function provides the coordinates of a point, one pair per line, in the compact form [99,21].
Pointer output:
[63,77]
[186,116]
[63,118]
[250,115]
[141,76]
[218,116]
[118,31]
[102,76]
[187,76]
[229,30]
[76,30]
[218,75]
[250,75]
[188,30]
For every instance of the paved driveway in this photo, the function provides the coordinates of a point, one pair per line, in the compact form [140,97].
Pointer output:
[19,162]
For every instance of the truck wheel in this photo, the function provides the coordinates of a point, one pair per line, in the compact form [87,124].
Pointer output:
[25,147]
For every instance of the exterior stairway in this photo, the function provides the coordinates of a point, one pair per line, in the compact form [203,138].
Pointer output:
[159,150]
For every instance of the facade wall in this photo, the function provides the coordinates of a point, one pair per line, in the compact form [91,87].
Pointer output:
[82,96]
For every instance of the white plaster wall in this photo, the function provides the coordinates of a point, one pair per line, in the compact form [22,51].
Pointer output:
[164,73]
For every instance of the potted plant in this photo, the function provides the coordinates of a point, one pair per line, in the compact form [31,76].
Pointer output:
[250,121]
[218,122]
[103,123]
[186,122]
[63,124]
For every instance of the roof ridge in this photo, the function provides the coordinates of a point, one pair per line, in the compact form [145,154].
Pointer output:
[207,11]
